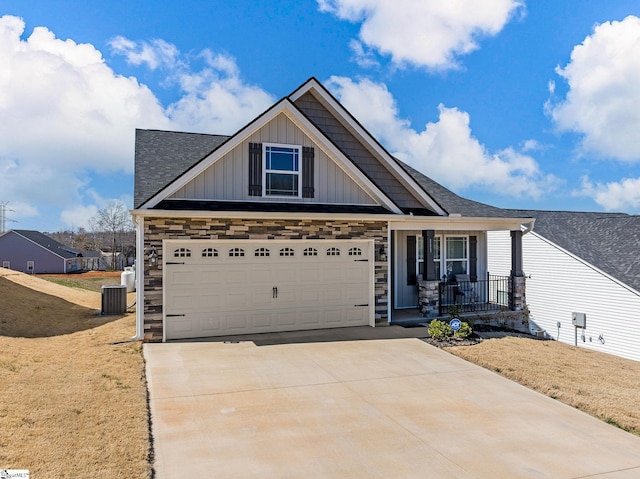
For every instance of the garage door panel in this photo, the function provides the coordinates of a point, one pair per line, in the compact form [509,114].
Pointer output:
[227,295]
[237,323]
[355,294]
[263,320]
[355,316]
[210,302]
[236,300]
[286,320]
[310,319]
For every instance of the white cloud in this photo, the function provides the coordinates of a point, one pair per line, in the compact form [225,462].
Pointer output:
[364,57]
[614,196]
[603,101]
[66,116]
[445,150]
[79,216]
[424,33]
[154,54]
[216,99]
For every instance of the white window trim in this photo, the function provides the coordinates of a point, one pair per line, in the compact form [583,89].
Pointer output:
[443,253]
[264,169]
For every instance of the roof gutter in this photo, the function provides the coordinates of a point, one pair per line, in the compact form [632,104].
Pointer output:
[528,227]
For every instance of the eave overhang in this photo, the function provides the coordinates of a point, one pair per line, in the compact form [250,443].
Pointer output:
[396,222]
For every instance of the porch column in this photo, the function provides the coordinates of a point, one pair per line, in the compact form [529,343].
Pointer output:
[516,254]
[517,296]
[429,265]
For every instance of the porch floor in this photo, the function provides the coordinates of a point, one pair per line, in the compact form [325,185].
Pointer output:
[412,316]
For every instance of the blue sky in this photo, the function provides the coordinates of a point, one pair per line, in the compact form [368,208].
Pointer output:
[519,104]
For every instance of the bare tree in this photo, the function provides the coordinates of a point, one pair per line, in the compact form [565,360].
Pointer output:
[115,220]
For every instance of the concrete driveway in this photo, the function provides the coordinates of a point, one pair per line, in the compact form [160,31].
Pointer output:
[388,408]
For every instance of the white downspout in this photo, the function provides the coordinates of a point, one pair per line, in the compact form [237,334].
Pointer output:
[389,273]
[139,222]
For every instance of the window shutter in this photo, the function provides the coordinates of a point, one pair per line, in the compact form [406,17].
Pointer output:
[255,169]
[473,258]
[429,265]
[307,172]
[411,260]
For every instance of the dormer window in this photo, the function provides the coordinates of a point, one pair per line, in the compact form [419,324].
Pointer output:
[282,170]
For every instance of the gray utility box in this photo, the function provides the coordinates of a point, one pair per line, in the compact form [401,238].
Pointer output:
[114,299]
[579,320]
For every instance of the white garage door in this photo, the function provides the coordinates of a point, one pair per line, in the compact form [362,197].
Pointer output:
[218,288]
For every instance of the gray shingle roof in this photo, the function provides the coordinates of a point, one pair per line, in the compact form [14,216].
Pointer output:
[608,241]
[48,243]
[454,204]
[162,156]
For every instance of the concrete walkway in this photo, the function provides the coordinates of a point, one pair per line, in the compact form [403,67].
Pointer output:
[382,408]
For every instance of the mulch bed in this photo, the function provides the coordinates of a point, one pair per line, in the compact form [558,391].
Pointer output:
[452,342]
[474,338]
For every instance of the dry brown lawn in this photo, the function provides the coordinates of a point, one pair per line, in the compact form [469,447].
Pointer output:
[599,384]
[74,392]
[73,387]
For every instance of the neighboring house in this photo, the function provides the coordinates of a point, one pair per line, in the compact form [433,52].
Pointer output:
[302,220]
[118,263]
[35,253]
[94,261]
[586,263]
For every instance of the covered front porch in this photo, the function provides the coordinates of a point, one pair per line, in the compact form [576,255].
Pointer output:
[441,271]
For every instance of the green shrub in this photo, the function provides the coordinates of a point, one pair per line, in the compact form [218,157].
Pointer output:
[439,329]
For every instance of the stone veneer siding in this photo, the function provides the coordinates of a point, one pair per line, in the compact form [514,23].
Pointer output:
[158,229]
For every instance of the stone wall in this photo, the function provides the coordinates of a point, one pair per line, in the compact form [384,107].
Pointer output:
[429,298]
[159,229]
[517,293]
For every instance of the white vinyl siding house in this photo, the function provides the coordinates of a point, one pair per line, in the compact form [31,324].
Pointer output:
[560,283]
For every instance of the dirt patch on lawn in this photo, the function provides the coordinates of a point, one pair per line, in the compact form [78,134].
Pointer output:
[74,399]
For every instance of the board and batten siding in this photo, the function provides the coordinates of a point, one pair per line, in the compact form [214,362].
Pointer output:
[228,178]
[560,284]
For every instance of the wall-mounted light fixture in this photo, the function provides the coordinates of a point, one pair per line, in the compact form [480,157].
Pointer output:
[153,258]
[382,254]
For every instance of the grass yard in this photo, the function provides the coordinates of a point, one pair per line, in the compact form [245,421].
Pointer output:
[74,393]
[599,384]
[92,281]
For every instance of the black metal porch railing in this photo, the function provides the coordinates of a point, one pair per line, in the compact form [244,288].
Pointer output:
[490,294]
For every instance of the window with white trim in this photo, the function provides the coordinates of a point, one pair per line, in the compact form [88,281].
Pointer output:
[282,172]
[287,252]
[355,252]
[262,252]
[236,252]
[452,260]
[310,252]
[209,253]
[333,252]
